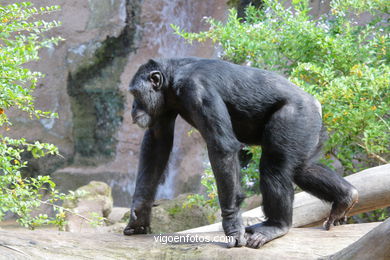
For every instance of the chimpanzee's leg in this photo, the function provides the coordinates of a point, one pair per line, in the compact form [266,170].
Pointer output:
[327,185]
[278,194]
[156,147]
[281,153]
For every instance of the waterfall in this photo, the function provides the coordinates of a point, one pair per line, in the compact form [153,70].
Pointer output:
[159,33]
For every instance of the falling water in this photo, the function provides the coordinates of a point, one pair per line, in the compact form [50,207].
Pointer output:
[182,13]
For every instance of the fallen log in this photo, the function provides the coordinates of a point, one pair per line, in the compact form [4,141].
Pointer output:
[374,245]
[374,192]
[299,243]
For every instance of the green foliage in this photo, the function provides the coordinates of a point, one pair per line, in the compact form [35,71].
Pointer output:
[208,182]
[173,211]
[21,37]
[371,216]
[96,220]
[250,173]
[343,63]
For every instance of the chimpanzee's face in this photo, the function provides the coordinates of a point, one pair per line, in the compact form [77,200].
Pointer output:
[140,116]
[148,97]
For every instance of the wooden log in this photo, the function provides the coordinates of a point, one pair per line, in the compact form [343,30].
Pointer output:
[299,243]
[374,192]
[374,245]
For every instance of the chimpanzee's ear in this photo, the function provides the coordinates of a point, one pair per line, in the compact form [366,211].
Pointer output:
[156,78]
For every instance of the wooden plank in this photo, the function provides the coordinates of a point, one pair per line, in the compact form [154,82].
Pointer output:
[300,243]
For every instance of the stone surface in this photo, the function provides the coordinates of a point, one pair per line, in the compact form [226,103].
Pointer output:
[95,201]
[122,185]
[170,215]
[118,215]
[299,243]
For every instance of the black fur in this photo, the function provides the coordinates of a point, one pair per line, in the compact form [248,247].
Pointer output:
[232,105]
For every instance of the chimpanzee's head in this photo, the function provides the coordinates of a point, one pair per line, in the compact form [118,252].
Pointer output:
[146,88]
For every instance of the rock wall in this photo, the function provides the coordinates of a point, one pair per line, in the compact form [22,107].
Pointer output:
[86,82]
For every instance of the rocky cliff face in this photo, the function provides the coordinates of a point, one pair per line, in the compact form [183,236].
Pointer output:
[86,82]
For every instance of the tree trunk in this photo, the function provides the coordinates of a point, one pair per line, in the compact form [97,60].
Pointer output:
[374,245]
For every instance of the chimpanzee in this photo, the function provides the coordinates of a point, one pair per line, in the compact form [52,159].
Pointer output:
[232,105]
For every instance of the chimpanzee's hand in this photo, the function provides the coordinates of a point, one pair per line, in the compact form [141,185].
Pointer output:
[234,229]
[139,223]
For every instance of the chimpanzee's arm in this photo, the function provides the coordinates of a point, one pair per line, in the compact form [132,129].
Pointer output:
[210,116]
[156,147]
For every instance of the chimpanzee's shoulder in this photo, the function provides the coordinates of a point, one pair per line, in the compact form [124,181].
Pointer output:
[190,67]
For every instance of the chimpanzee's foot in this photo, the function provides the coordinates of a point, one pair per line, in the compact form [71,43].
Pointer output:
[235,230]
[134,230]
[139,222]
[259,234]
[238,240]
[338,214]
